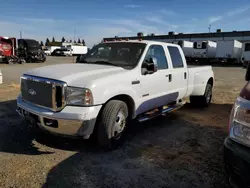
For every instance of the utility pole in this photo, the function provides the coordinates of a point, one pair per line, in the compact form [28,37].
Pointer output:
[209,29]
[74,34]
[73,59]
[20,34]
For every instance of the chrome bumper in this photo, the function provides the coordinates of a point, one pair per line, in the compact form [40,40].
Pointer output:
[71,121]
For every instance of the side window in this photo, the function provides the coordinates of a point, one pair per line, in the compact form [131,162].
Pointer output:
[175,57]
[158,52]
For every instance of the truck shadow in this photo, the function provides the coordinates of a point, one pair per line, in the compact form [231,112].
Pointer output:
[14,134]
[17,138]
[183,149]
[173,151]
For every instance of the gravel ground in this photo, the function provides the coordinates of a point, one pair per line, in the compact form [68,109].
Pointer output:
[183,149]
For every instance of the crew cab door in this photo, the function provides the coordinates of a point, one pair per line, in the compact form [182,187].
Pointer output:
[179,71]
[155,88]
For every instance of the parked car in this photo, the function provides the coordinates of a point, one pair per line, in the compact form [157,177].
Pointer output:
[237,144]
[50,49]
[68,52]
[59,52]
[30,50]
[114,83]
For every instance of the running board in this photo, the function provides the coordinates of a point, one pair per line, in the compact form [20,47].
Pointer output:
[165,110]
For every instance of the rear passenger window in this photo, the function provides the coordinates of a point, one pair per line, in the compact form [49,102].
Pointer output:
[158,52]
[175,57]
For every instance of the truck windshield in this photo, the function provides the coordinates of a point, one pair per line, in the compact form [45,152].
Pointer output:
[122,54]
[32,44]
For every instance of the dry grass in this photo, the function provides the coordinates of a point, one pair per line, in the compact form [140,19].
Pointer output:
[9,92]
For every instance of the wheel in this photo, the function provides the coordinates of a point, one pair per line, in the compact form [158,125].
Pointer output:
[22,61]
[10,61]
[28,60]
[205,100]
[111,124]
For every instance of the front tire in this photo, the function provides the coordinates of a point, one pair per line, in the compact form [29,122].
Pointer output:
[111,125]
[205,100]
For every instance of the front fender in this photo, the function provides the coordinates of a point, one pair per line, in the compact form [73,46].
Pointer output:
[111,92]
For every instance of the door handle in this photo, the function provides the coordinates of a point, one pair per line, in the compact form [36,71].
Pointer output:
[169,77]
[185,75]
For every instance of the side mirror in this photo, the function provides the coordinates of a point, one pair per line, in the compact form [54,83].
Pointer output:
[150,66]
[247,75]
[153,64]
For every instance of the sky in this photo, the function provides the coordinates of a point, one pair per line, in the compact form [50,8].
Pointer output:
[94,19]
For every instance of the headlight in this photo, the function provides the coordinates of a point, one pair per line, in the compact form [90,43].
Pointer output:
[239,125]
[79,96]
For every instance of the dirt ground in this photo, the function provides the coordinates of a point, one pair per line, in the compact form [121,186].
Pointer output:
[183,149]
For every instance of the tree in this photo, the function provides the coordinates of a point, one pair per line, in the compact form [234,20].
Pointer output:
[41,43]
[63,39]
[70,41]
[74,41]
[47,42]
[79,41]
[83,42]
[53,39]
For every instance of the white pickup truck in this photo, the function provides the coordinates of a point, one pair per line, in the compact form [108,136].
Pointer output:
[115,82]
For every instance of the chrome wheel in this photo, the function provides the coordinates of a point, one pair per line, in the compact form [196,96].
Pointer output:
[119,125]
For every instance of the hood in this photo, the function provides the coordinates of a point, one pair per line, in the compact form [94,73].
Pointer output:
[77,75]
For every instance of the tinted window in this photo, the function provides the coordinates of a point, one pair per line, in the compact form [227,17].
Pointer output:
[157,51]
[175,57]
[247,47]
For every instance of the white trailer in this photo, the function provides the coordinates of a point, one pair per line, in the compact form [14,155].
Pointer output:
[187,47]
[246,53]
[77,50]
[204,49]
[229,51]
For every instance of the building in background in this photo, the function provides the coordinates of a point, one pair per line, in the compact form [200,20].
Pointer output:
[242,36]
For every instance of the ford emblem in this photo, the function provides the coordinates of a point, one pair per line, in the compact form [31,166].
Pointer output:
[32,92]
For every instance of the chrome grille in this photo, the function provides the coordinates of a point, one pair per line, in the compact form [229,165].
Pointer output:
[43,92]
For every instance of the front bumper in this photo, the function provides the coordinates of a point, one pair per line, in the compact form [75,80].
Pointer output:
[237,163]
[71,121]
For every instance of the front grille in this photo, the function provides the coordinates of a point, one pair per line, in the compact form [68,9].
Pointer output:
[43,92]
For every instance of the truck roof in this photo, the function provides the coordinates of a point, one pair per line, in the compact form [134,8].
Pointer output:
[143,41]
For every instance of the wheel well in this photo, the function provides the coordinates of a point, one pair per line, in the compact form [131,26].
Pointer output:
[211,81]
[129,101]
